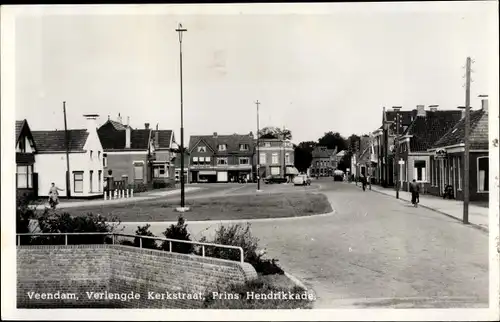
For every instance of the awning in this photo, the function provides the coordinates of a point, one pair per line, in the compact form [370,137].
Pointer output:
[292,170]
[208,173]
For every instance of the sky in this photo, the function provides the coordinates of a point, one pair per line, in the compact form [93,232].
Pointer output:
[314,68]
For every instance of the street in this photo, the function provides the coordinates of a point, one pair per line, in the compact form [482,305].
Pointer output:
[373,251]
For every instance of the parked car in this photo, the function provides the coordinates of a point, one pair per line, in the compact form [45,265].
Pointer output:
[338,175]
[302,180]
[274,179]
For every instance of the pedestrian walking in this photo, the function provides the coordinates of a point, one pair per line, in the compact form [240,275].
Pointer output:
[363,181]
[415,193]
[54,195]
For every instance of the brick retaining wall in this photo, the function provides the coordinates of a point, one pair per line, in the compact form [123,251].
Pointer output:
[120,269]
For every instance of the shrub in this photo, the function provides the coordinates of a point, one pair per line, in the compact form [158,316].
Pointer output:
[237,235]
[53,222]
[138,187]
[146,242]
[258,286]
[178,231]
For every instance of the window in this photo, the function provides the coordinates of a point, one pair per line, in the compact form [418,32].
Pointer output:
[202,149]
[22,145]
[207,159]
[99,179]
[267,144]
[244,147]
[244,161]
[91,154]
[78,181]
[287,158]
[459,158]
[262,159]
[99,155]
[221,161]
[275,158]
[222,147]
[482,174]
[275,170]
[195,159]
[138,171]
[91,178]
[419,168]
[24,176]
[158,170]
[105,160]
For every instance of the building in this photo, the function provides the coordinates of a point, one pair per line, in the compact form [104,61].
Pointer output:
[447,161]
[425,130]
[177,165]
[128,152]
[276,157]
[360,157]
[386,137]
[26,178]
[323,161]
[85,160]
[221,158]
[163,168]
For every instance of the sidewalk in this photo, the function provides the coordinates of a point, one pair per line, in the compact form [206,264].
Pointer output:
[478,216]
[100,202]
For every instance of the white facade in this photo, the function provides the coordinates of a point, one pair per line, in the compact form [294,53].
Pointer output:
[86,168]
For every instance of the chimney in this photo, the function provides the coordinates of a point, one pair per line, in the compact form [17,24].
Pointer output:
[127,134]
[157,143]
[420,110]
[484,102]
[146,126]
[433,108]
[119,118]
[91,121]
[215,134]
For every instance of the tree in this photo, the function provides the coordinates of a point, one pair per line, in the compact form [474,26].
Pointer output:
[273,132]
[333,140]
[303,155]
[353,142]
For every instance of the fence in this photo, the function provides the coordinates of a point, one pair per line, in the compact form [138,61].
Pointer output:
[114,235]
[118,194]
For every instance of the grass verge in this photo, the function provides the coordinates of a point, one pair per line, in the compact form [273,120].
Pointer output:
[220,208]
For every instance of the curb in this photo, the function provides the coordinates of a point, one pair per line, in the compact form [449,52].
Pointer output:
[475,226]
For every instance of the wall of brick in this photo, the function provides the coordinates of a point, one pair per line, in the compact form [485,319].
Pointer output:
[123,164]
[124,270]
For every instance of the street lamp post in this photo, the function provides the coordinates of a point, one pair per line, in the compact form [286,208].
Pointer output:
[257,103]
[180,30]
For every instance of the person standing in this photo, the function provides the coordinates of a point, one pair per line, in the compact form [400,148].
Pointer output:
[415,191]
[54,195]
[363,181]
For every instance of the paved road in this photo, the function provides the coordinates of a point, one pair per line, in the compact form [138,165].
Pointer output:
[375,251]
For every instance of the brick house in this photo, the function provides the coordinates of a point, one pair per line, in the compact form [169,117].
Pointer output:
[221,158]
[276,157]
[447,160]
[128,152]
[360,159]
[85,160]
[26,178]
[385,137]
[163,167]
[425,130]
[323,161]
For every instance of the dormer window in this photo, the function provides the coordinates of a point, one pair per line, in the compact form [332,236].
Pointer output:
[22,145]
[222,147]
[202,149]
[244,147]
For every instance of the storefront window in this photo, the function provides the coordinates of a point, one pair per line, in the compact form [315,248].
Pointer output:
[482,174]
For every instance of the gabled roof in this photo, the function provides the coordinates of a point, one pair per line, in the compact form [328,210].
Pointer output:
[22,126]
[113,139]
[232,142]
[19,127]
[322,152]
[164,138]
[425,131]
[54,141]
[478,135]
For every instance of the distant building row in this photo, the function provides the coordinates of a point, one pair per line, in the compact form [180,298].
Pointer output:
[431,151]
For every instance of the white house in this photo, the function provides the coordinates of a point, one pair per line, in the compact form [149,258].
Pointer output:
[85,161]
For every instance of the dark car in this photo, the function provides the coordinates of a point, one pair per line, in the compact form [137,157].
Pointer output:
[274,179]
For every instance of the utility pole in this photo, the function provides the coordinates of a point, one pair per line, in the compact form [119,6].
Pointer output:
[257,103]
[66,139]
[396,146]
[283,146]
[466,141]
[180,30]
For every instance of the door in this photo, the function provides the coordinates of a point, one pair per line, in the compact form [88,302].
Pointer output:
[222,176]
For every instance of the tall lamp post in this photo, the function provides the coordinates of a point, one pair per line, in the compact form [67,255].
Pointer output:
[396,146]
[257,103]
[180,30]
